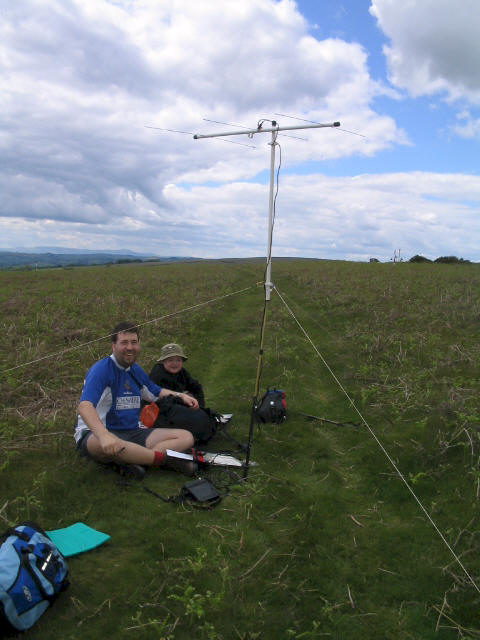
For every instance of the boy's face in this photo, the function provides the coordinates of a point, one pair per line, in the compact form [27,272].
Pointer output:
[173,364]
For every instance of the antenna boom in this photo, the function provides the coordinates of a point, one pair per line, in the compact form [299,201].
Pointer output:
[197,136]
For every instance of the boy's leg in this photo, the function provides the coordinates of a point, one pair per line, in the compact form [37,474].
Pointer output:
[163,439]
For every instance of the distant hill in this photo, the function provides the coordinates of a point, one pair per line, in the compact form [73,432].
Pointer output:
[75,251]
[41,258]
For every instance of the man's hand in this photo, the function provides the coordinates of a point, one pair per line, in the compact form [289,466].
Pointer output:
[111,445]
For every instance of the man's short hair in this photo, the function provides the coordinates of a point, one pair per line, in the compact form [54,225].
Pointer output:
[124,327]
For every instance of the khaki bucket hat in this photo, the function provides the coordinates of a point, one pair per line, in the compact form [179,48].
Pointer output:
[169,350]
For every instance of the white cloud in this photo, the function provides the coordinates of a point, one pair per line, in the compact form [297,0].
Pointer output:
[81,80]
[317,216]
[434,45]
[467,126]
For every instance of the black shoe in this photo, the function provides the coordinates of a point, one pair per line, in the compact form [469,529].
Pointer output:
[183,465]
[133,471]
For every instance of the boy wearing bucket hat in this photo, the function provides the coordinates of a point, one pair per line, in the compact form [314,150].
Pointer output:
[169,367]
[170,373]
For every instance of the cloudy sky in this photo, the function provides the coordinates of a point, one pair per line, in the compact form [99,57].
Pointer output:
[100,100]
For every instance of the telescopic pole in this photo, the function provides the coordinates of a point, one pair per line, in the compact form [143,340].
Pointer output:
[268,273]
[274,129]
[268,289]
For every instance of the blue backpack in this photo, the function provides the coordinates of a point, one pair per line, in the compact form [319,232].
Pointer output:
[32,573]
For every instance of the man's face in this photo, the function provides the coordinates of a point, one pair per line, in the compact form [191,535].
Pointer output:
[126,348]
[173,364]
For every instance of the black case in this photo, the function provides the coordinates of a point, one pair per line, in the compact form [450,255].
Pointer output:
[201,490]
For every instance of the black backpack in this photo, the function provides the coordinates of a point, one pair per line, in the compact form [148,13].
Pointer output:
[272,407]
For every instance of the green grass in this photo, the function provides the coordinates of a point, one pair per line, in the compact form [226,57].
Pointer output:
[323,540]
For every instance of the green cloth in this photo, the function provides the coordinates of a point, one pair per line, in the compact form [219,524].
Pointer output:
[76,539]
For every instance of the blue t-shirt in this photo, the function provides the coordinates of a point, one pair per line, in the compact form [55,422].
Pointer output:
[116,393]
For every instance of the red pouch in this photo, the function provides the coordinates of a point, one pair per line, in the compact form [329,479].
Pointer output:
[149,414]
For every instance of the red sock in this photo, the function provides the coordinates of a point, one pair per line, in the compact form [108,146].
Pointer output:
[159,458]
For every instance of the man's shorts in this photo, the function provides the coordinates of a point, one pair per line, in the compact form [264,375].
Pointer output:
[138,436]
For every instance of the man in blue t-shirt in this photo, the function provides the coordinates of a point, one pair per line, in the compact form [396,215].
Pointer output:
[107,428]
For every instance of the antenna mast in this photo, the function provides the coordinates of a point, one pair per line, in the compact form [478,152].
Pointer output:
[274,129]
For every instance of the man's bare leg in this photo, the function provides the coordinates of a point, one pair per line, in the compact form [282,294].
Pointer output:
[157,442]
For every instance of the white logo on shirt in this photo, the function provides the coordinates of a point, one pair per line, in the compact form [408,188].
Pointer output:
[128,402]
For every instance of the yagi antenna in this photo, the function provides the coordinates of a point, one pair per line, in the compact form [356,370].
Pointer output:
[284,115]
[251,146]
[240,126]
[274,129]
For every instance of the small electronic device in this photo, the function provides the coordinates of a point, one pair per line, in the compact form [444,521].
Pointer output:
[201,490]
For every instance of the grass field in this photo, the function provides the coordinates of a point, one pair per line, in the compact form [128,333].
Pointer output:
[324,540]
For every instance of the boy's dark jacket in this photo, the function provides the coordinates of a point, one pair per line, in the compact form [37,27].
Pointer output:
[182,382]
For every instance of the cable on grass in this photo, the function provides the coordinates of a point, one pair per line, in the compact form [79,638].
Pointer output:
[184,496]
[375,437]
